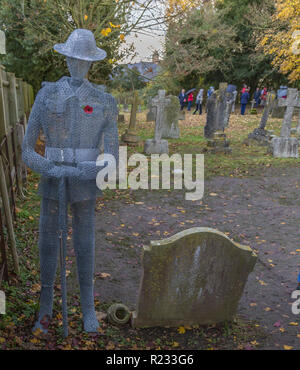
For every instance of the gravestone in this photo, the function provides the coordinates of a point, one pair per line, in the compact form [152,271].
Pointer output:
[278,111]
[172,115]
[234,101]
[182,115]
[125,107]
[286,146]
[219,107]
[260,135]
[158,145]
[194,277]
[121,118]
[130,136]
[151,114]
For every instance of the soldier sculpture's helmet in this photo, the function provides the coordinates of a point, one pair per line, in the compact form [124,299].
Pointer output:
[81,44]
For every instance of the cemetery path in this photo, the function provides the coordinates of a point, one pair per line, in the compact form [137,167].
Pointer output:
[262,211]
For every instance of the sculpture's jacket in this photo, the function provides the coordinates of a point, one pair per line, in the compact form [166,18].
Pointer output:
[74,123]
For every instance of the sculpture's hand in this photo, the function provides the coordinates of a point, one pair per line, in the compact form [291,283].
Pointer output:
[89,170]
[64,171]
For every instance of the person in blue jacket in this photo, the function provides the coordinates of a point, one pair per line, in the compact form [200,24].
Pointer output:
[256,97]
[244,100]
[182,98]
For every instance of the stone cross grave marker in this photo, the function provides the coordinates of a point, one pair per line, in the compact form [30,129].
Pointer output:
[194,277]
[157,145]
[286,146]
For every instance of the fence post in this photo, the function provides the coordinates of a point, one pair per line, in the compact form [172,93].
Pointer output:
[14,119]
[8,217]
[3,118]
[4,268]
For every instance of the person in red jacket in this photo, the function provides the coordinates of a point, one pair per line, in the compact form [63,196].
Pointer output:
[190,101]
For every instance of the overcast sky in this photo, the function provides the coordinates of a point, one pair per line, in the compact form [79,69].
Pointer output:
[145,45]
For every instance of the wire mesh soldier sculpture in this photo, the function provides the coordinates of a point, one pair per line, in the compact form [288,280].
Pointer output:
[75,116]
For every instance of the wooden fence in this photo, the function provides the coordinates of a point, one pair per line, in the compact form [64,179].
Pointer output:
[16,99]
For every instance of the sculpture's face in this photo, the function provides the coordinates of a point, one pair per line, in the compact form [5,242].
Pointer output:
[78,68]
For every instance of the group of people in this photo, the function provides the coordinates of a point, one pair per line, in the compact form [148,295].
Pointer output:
[187,98]
[260,97]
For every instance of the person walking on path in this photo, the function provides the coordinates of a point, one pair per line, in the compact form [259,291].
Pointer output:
[264,94]
[256,97]
[182,99]
[210,91]
[199,100]
[190,101]
[244,100]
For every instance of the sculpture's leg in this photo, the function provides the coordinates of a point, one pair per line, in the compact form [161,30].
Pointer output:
[48,249]
[84,245]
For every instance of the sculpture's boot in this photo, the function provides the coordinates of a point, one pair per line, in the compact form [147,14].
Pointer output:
[45,313]
[48,249]
[84,245]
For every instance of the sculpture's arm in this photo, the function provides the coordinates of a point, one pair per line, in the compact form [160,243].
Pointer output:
[34,160]
[111,143]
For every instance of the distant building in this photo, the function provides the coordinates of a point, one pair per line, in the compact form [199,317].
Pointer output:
[147,70]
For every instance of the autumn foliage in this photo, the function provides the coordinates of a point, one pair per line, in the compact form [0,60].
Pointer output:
[282,41]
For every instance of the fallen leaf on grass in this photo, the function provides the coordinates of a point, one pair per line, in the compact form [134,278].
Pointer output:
[101,315]
[102,275]
[181,330]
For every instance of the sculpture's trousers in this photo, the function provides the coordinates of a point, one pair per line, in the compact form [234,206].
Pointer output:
[83,224]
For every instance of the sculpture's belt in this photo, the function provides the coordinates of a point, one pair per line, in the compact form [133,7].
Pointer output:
[71,155]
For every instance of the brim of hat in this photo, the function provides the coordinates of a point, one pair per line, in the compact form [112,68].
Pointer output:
[93,56]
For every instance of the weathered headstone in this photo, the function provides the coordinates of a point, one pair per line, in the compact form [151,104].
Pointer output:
[234,101]
[121,118]
[125,107]
[219,107]
[278,111]
[151,114]
[194,277]
[158,145]
[182,115]
[260,135]
[130,136]
[172,115]
[286,146]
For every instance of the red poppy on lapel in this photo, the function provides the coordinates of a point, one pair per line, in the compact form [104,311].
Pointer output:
[88,109]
